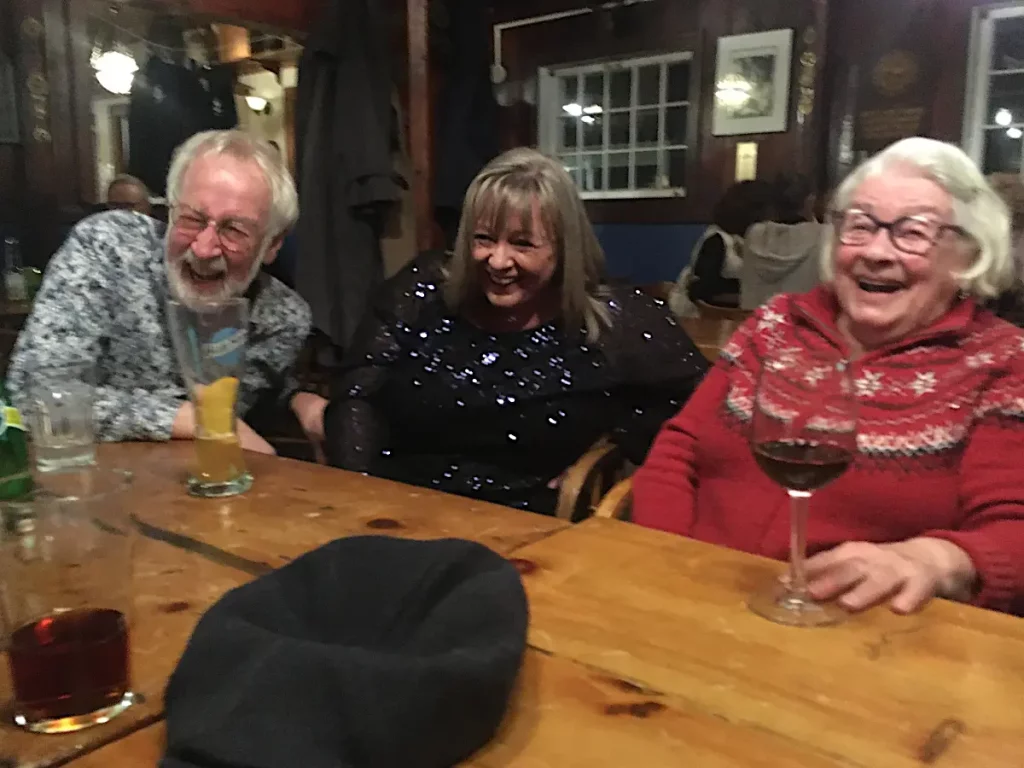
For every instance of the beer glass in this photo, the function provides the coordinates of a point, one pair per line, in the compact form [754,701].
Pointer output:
[209,340]
[66,597]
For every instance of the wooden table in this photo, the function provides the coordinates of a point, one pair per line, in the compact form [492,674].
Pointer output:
[643,653]
[173,588]
[194,550]
[943,687]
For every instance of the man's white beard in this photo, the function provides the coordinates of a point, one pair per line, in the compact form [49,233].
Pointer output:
[185,290]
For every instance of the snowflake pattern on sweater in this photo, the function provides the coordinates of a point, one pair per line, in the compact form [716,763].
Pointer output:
[103,302]
[900,415]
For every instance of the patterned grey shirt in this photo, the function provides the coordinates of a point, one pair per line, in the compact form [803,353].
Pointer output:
[103,300]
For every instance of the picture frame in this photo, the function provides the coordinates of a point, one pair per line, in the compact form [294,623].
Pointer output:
[752,79]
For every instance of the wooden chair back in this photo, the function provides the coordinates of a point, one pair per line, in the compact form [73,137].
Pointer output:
[618,502]
[711,312]
[587,481]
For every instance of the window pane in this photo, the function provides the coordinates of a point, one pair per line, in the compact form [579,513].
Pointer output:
[593,131]
[1002,152]
[1008,44]
[646,170]
[569,161]
[567,132]
[593,173]
[675,125]
[650,85]
[677,168]
[593,89]
[567,89]
[647,127]
[620,85]
[618,128]
[1006,92]
[618,170]
[679,81]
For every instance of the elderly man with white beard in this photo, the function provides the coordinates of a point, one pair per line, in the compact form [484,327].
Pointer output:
[103,299]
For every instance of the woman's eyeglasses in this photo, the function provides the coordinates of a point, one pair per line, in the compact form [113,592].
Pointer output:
[235,235]
[910,234]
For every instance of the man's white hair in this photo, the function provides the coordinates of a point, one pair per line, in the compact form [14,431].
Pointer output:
[977,209]
[284,200]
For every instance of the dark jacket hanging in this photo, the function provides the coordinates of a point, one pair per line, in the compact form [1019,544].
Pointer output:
[467,115]
[344,130]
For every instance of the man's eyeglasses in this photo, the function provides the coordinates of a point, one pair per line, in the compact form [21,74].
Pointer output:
[234,234]
[910,234]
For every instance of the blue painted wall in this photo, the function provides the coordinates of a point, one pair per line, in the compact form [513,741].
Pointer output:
[647,253]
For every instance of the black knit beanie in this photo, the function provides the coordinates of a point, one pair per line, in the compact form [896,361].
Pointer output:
[369,652]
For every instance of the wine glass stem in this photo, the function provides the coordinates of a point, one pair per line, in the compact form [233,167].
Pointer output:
[799,501]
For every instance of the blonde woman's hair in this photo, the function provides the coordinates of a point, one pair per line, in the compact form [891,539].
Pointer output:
[284,200]
[977,209]
[507,190]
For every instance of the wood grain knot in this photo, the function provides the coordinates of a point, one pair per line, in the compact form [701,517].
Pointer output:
[940,740]
[640,709]
[384,524]
[524,566]
[175,607]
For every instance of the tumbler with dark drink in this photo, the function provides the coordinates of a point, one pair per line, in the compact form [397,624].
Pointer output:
[803,436]
[65,583]
[70,663]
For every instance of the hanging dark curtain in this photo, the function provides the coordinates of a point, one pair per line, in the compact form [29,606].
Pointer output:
[344,133]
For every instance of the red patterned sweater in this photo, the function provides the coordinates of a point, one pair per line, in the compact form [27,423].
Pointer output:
[940,437]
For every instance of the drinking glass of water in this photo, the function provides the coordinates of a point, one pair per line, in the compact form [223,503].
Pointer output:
[61,419]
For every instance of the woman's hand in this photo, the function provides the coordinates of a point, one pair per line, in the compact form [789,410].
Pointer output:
[909,572]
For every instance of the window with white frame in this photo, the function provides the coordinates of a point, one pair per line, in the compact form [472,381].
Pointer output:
[994,118]
[620,127]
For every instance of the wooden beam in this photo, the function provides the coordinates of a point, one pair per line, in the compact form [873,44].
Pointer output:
[419,121]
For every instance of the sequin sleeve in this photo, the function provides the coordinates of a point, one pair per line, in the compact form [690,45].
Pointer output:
[657,368]
[355,430]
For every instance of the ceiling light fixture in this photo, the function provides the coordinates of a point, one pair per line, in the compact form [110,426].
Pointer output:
[114,70]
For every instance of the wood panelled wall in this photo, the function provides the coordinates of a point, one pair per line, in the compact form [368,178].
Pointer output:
[47,179]
[940,31]
[667,26]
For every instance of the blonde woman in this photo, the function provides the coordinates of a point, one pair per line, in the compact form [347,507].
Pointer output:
[488,372]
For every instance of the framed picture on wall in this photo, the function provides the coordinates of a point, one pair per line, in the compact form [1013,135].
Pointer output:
[752,83]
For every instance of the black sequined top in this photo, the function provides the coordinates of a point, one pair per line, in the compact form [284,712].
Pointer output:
[429,399]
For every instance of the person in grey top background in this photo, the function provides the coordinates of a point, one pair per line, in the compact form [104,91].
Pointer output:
[104,294]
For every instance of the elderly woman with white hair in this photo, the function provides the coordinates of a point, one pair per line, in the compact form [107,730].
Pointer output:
[488,372]
[933,504]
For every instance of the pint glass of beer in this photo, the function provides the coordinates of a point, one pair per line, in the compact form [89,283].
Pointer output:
[66,599]
[209,339]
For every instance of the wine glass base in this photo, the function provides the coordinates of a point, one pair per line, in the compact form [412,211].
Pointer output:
[779,604]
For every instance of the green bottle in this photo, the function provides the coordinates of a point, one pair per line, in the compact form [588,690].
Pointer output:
[15,473]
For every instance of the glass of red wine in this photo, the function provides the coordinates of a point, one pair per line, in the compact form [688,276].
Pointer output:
[803,436]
